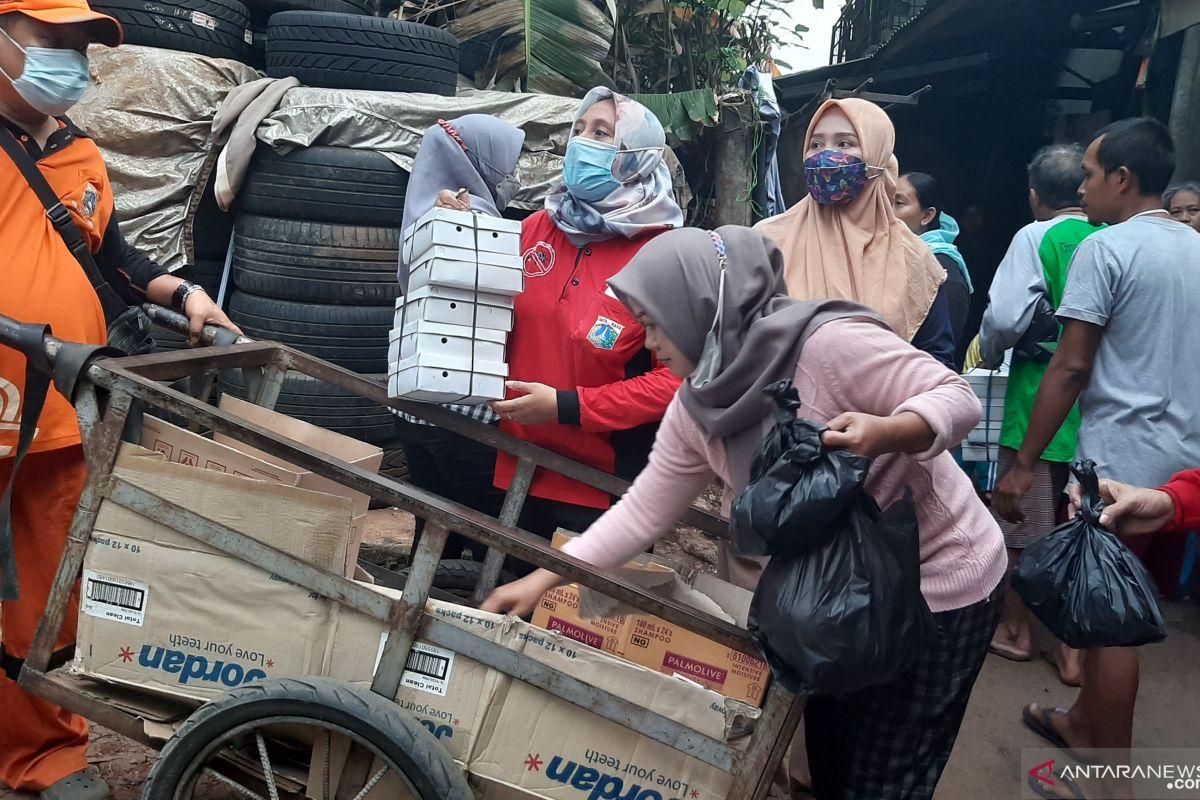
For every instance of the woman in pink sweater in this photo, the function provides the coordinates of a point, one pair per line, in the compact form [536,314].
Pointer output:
[715,310]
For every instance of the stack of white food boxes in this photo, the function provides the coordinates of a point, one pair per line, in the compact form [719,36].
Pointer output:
[464,270]
[990,386]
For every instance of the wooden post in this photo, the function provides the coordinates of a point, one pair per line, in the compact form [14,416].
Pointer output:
[1185,108]
[734,160]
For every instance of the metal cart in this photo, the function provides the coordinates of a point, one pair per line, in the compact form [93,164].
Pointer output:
[110,396]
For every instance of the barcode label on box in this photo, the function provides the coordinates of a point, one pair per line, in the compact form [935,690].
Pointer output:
[114,598]
[428,669]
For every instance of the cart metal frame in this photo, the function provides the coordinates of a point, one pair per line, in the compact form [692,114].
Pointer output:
[110,401]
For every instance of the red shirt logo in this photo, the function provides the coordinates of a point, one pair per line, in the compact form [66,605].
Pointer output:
[538,260]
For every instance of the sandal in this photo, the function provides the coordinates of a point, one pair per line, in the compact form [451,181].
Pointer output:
[1040,724]
[78,786]
[1010,653]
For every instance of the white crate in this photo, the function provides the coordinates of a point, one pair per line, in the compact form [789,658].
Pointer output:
[462,229]
[453,341]
[457,268]
[456,307]
[441,379]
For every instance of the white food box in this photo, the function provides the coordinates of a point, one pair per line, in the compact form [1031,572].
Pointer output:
[494,273]
[455,341]
[462,229]
[433,378]
[455,307]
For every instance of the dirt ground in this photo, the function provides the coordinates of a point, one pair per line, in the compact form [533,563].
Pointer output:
[985,763]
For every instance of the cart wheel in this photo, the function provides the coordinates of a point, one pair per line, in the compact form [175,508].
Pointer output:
[259,741]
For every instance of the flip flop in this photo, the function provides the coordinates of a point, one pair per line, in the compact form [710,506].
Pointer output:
[1011,655]
[1041,725]
[78,786]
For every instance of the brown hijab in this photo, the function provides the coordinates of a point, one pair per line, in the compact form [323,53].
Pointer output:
[676,279]
[860,251]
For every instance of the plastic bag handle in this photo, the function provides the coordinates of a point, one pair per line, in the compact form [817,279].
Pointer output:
[1092,505]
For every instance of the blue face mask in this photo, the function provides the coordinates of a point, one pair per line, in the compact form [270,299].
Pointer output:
[587,170]
[53,80]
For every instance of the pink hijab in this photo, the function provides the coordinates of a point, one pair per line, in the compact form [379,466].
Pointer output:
[860,251]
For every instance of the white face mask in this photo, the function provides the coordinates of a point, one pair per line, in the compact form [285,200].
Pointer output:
[53,79]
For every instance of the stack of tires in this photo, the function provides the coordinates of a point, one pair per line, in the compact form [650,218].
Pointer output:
[316,243]
[345,51]
[214,28]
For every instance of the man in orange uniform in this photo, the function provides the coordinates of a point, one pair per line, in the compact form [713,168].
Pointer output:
[43,72]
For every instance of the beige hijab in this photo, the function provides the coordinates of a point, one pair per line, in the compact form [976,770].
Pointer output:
[860,251]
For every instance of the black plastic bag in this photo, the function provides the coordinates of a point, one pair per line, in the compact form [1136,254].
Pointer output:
[1086,587]
[849,614]
[798,489]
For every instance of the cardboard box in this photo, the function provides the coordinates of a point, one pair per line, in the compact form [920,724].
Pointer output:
[655,643]
[226,455]
[435,378]
[362,455]
[463,229]
[508,734]
[495,273]
[455,307]
[166,613]
[453,341]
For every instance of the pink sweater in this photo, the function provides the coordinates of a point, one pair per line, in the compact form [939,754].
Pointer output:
[847,365]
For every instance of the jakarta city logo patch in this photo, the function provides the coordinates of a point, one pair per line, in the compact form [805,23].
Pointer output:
[604,333]
[538,260]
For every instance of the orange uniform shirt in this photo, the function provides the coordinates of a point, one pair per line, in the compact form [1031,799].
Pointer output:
[40,281]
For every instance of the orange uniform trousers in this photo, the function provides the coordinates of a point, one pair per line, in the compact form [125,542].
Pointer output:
[40,743]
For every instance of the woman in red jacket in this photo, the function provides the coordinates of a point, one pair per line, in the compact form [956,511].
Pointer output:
[582,382]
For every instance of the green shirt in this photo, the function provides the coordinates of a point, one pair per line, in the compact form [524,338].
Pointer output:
[1035,266]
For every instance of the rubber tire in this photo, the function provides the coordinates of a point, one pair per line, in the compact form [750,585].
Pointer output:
[325,405]
[395,461]
[169,25]
[343,51]
[258,48]
[342,185]
[395,732]
[354,337]
[460,576]
[316,263]
[261,10]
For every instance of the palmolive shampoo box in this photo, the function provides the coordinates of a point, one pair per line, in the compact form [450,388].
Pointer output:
[655,643]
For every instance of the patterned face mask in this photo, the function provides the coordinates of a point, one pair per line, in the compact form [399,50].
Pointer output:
[835,178]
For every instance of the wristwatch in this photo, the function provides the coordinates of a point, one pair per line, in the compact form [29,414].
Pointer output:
[182,292]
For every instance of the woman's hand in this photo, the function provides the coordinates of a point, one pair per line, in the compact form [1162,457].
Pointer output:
[872,436]
[521,597]
[1127,509]
[538,405]
[455,201]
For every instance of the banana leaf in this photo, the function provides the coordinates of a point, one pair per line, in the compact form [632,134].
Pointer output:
[548,46]
[682,114]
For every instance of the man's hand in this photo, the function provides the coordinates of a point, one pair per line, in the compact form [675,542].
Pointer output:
[1129,510]
[1010,490]
[201,310]
[537,406]
[521,597]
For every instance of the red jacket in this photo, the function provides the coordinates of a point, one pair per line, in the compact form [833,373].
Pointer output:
[570,335]
[1184,489]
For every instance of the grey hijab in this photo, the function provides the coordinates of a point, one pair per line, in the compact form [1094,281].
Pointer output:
[476,152]
[676,279]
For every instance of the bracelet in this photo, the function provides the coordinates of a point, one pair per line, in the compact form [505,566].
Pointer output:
[182,292]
